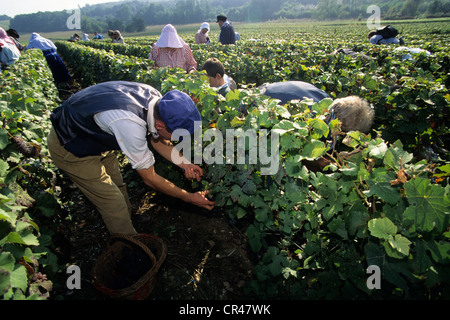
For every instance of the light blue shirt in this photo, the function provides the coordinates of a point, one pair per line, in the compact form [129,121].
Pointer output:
[9,54]
[378,39]
[39,42]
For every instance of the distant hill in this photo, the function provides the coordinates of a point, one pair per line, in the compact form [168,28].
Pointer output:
[134,15]
[4,21]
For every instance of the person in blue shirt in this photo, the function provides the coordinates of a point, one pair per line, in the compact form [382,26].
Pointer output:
[57,67]
[98,36]
[378,39]
[227,34]
[292,90]
[385,35]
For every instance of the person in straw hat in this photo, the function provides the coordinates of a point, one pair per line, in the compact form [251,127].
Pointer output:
[171,51]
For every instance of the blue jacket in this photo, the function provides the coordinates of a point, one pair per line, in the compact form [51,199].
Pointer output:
[74,121]
[293,90]
[227,34]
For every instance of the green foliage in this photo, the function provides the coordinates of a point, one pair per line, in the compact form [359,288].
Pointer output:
[317,232]
[25,177]
[135,15]
[411,102]
[382,200]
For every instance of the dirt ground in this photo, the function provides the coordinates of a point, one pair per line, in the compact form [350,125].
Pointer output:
[208,257]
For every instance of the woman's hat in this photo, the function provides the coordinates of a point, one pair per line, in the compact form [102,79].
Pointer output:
[169,38]
[205,25]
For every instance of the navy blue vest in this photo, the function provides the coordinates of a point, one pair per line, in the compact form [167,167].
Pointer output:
[74,121]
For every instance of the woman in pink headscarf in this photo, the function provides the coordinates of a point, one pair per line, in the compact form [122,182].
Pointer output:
[171,51]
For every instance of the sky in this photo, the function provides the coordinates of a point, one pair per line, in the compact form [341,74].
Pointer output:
[14,7]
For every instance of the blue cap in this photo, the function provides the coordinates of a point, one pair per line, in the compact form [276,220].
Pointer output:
[178,111]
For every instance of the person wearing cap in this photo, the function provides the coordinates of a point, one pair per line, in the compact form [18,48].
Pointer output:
[171,51]
[227,34]
[375,38]
[202,34]
[14,36]
[92,124]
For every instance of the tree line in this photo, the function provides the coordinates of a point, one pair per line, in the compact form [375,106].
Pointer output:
[133,16]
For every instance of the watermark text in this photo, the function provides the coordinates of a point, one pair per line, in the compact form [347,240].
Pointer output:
[241,147]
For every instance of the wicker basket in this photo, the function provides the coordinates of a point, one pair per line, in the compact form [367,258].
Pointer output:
[104,270]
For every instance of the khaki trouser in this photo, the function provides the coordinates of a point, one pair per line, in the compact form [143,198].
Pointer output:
[100,180]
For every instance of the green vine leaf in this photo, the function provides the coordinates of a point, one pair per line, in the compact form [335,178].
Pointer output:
[377,148]
[396,157]
[429,206]
[382,228]
[397,246]
[384,190]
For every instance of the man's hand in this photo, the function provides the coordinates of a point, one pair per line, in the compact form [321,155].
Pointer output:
[192,171]
[158,183]
[199,199]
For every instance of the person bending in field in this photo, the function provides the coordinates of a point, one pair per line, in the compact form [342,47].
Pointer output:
[92,124]
[54,61]
[217,77]
[292,90]
[116,36]
[354,113]
[385,35]
[171,51]
[14,36]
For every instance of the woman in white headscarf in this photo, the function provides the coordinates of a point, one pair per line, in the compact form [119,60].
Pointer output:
[57,66]
[171,51]
[202,34]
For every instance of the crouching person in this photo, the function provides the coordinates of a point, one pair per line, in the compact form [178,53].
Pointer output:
[353,112]
[119,115]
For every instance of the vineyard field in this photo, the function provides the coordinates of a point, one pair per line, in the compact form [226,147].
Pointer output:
[300,233]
